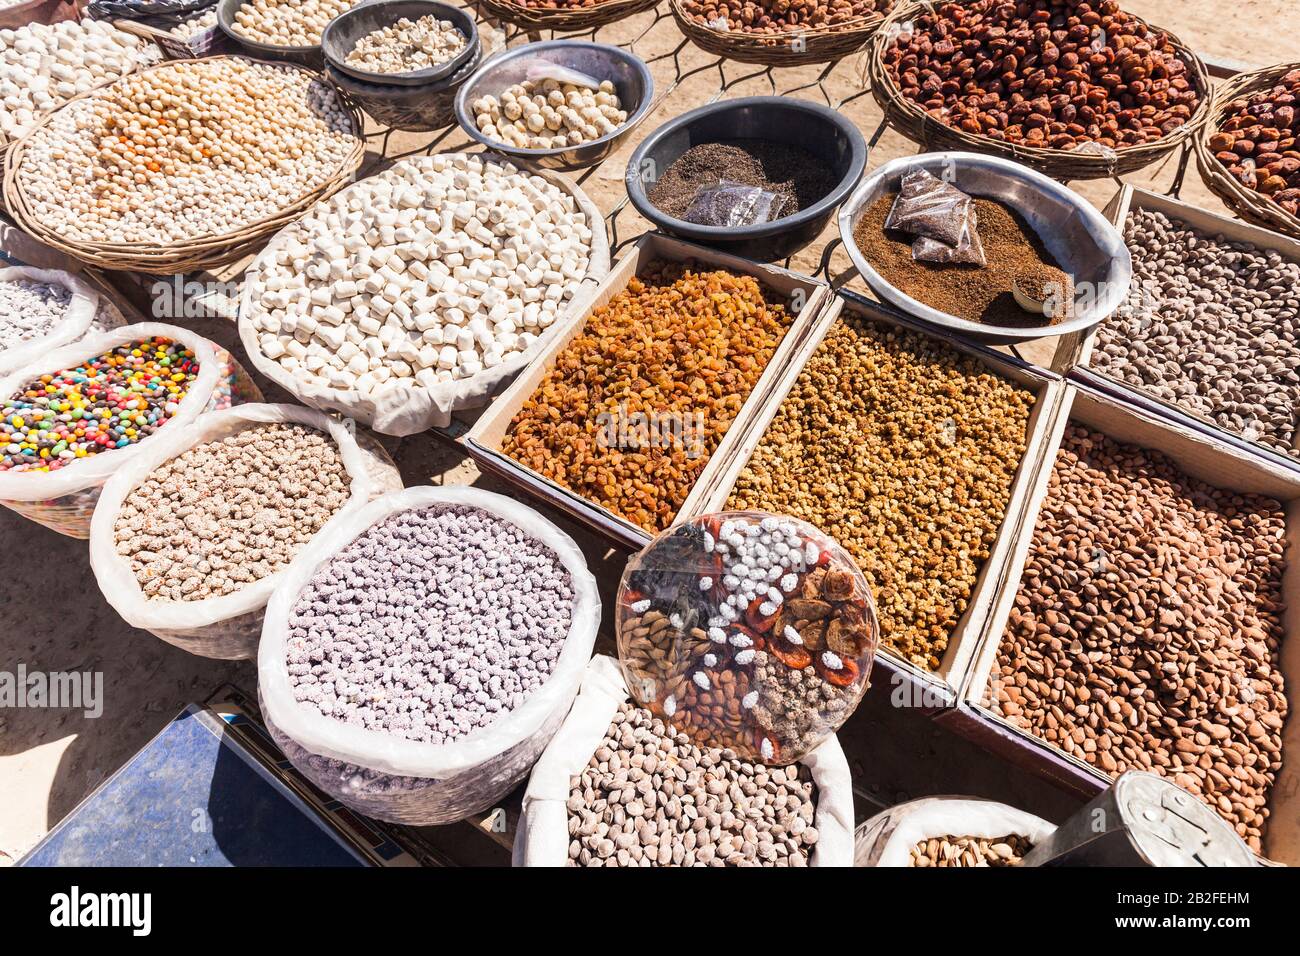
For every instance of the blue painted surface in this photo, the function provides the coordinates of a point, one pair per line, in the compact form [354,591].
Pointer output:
[193,797]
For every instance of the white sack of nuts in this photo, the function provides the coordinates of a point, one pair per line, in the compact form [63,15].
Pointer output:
[543,835]
[225,626]
[42,67]
[408,46]
[40,310]
[389,776]
[889,838]
[419,291]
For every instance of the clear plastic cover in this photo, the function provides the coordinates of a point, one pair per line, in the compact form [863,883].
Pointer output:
[734,204]
[747,630]
[928,206]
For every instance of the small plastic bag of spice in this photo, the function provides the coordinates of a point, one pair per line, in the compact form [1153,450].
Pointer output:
[734,204]
[968,250]
[927,206]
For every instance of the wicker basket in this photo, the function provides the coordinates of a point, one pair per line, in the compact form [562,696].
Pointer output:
[207,252]
[1251,206]
[207,43]
[919,126]
[820,45]
[563,21]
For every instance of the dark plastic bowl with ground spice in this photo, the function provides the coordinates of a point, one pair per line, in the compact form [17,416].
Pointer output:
[780,121]
[1080,239]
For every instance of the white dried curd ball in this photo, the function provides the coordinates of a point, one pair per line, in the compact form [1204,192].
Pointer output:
[430,272]
[42,67]
[548,114]
[189,149]
[407,46]
[287,22]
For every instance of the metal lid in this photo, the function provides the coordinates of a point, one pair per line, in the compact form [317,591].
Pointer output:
[1173,828]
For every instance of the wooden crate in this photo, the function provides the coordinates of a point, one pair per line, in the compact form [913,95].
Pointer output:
[1204,456]
[1074,352]
[938,689]
[484,440]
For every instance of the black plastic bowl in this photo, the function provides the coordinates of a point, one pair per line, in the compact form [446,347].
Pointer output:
[348,28]
[777,119]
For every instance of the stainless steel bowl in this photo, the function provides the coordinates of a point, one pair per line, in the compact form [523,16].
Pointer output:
[627,71]
[1074,232]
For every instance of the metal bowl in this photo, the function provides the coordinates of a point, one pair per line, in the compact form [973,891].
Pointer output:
[413,108]
[777,119]
[1087,246]
[627,71]
[347,29]
[303,55]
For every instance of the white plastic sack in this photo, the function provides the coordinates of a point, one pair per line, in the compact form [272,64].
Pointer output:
[887,838]
[408,411]
[407,781]
[76,322]
[64,500]
[543,836]
[226,627]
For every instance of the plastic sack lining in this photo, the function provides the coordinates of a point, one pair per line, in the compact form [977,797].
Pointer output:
[76,323]
[409,781]
[887,838]
[227,626]
[543,835]
[64,500]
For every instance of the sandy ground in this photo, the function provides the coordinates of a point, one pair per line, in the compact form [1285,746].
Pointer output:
[53,617]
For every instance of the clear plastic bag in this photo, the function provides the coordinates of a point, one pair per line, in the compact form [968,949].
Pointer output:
[226,627]
[927,206]
[887,838]
[734,204]
[408,781]
[747,630]
[543,835]
[539,70]
[64,500]
[968,251]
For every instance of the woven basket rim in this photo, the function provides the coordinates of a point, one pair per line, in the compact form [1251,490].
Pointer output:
[1247,203]
[565,20]
[199,249]
[921,127]
[863,23]
[822,44]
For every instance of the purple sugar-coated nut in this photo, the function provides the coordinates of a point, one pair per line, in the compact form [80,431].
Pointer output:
[436,617]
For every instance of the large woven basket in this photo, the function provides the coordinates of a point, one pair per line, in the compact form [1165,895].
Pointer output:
[916,124]
[1250,205]
[579,20]
[207,43]
[206,252]
[817,45]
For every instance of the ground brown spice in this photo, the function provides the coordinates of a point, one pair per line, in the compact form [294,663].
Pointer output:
[976,294]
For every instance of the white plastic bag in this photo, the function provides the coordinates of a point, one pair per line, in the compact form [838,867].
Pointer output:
[226,627]
[407,781]
[408,411]
[64,500]
[76,322]
[543,836]
[887,839]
